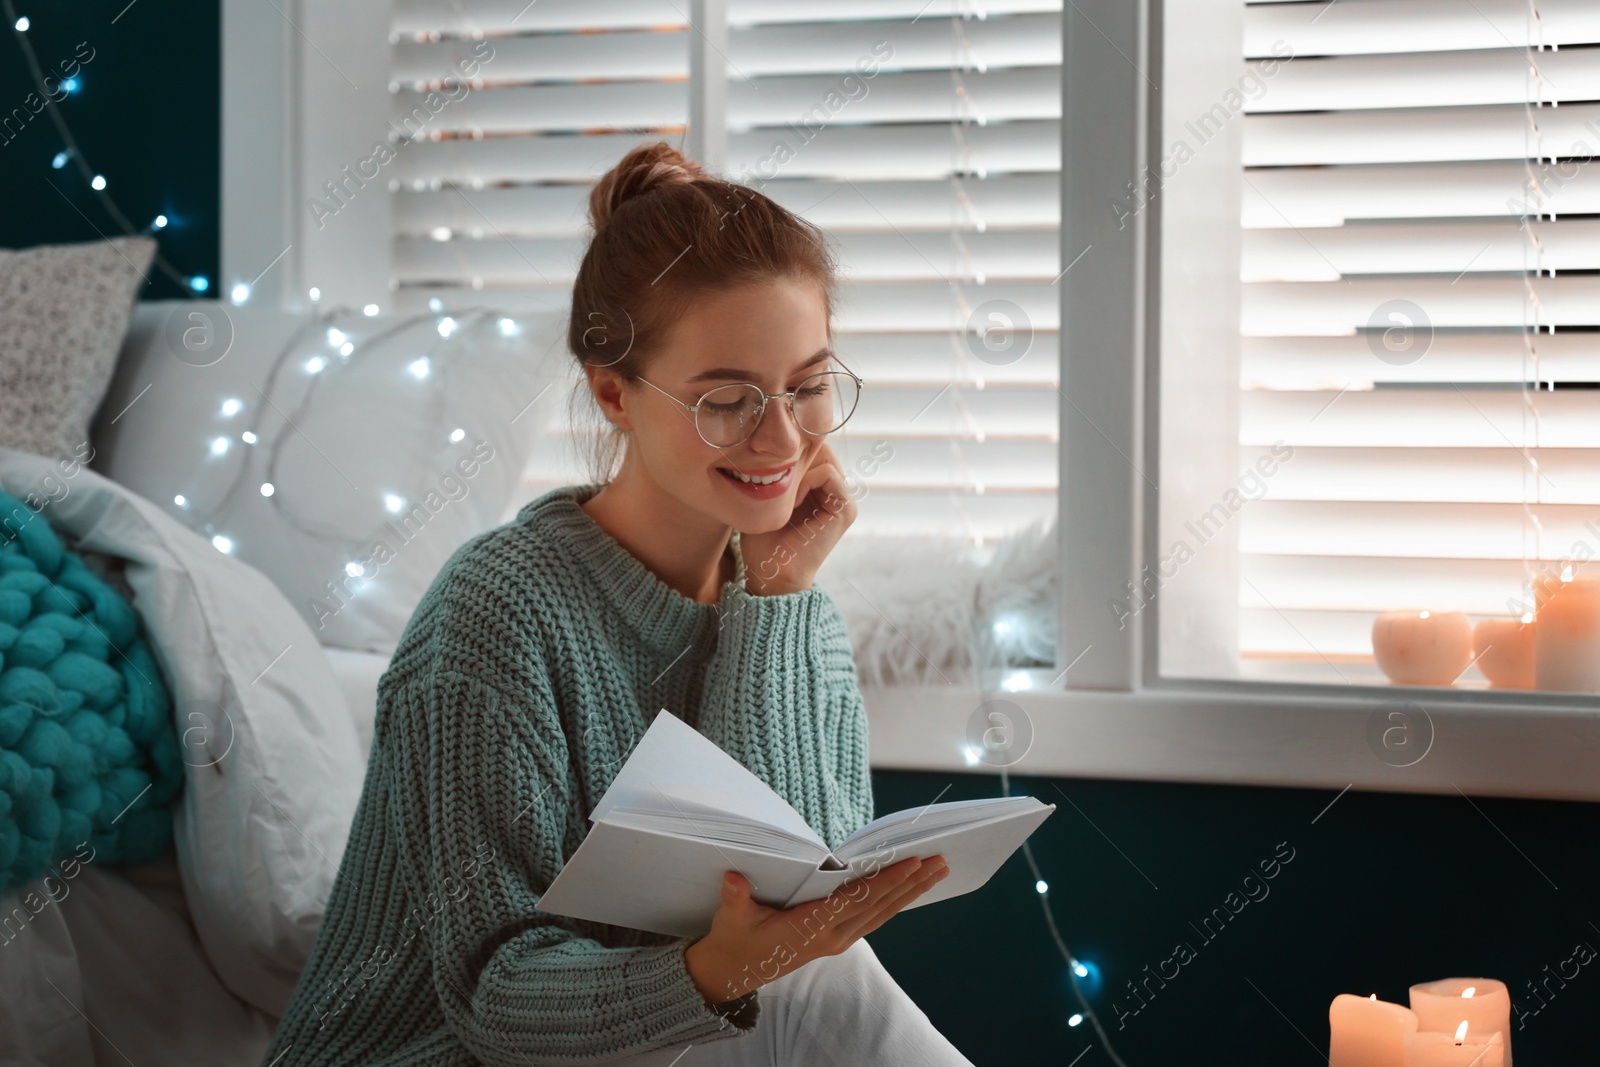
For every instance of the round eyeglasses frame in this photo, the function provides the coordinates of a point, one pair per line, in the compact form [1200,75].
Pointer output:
[755,423]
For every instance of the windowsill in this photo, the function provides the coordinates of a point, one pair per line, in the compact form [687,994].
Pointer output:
[1336,670]
[1484,742]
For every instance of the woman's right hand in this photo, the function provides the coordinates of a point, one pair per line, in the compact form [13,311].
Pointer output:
[750,944]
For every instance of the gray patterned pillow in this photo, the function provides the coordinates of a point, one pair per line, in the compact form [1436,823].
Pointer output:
[63,313]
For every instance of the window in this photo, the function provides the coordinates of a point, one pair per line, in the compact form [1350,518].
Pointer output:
[1417,417]
[922,138]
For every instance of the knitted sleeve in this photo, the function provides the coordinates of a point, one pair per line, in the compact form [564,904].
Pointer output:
[781,697]
[480,788]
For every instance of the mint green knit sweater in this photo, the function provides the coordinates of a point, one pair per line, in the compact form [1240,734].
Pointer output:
[531,668]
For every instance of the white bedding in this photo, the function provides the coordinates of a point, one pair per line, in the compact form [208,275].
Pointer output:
[113,973]
[358,674]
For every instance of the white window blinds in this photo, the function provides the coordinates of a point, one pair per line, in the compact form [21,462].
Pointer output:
[935,175]
[1421,298]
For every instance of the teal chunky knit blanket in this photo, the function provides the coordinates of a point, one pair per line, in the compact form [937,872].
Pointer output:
[89,760]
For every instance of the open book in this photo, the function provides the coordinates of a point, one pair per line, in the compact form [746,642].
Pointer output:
[681,811]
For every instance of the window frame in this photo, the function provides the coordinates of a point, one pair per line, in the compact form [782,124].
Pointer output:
[1115,715]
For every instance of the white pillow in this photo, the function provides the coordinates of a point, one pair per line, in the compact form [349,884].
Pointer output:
[274,769]
[382,462]
[359,674]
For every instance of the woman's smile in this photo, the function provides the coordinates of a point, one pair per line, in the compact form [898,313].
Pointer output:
[759,484]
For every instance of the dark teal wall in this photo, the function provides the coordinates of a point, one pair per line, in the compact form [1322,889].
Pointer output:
[1382,891]
[146,115]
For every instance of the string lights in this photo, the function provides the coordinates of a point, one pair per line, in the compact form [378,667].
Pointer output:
[995,657]
[333,350]
[1076,968]
[73,153]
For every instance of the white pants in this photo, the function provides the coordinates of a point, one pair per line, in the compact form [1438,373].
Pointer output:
[836,1011]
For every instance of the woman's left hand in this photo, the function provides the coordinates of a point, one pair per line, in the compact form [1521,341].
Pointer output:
[787,559]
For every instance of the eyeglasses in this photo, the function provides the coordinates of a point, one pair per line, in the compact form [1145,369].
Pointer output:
[729,414]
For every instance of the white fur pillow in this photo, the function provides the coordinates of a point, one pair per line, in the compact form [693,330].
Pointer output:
[924,611]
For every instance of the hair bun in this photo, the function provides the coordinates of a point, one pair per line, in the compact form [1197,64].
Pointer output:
[646,167]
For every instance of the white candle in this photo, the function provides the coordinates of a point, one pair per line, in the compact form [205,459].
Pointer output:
[1567,637]
[1422,647]
[1368,1032]
[1429,1048]
[1482,1004]
[1503,649]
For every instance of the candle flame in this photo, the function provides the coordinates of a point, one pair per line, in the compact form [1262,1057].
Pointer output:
[1373,997]
[1424,614]
[1467,992]
[1566,574]
[1461,1032]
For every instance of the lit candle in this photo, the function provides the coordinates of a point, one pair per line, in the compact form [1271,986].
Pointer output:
[1504,651]
[1429,1048]
[1483,1005]
[1368,1032]
[1422,647]
[1567,637]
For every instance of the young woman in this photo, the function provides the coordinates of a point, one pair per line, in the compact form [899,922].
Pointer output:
[538,657]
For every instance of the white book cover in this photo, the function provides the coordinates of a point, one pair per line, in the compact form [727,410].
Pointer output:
[681,811]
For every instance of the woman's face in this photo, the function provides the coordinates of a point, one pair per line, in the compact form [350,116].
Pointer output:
[774,334]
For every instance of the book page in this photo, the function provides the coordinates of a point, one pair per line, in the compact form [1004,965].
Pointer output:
[648,880]
[949,813]
[974,852]
[674,762]
[719,828]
